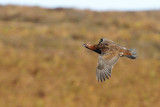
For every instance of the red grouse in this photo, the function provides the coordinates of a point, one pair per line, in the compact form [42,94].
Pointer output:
[109,53]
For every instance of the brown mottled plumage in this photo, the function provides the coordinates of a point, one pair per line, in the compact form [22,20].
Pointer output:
[109,53]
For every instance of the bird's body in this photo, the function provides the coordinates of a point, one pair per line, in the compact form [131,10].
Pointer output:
[109,53]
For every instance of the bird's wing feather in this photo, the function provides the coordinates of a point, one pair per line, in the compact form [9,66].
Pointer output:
[105,65]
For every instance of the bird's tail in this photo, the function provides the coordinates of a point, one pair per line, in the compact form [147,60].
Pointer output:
[131,53]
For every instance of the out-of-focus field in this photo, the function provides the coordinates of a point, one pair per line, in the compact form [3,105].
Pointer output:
[43,63]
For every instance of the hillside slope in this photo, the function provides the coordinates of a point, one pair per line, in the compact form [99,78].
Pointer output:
[43,63]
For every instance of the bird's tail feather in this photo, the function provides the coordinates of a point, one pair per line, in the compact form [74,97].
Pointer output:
[132,54]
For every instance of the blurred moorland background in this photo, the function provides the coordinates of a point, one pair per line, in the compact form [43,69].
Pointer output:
[43,63]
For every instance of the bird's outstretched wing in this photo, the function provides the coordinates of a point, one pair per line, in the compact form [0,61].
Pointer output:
[105,65]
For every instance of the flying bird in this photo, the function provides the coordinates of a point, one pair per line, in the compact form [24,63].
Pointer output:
[109,53]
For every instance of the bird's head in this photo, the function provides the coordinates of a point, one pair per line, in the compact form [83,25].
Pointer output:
[98,48]
[94,48]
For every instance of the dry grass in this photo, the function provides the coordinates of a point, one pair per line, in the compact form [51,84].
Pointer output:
[43,63]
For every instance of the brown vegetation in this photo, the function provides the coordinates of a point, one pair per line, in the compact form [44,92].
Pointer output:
[43,63]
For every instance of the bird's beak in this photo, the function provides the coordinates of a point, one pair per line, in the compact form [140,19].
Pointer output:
[92,47]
